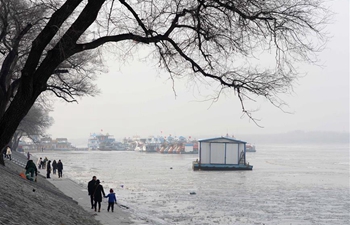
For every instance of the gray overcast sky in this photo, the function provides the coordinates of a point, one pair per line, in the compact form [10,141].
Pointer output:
[137,99]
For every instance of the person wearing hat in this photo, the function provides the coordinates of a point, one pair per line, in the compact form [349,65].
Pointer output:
[98,195]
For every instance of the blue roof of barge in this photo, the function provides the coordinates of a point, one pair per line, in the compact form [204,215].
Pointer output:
[221,138]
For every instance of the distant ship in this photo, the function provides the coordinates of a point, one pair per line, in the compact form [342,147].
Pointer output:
[164,145]
[105,142]
[152,144]
[173,145]
[250,148]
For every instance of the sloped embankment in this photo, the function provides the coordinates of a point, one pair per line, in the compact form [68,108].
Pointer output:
[26,202]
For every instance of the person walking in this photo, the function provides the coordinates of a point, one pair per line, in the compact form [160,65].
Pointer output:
[98,195]
[54,166]
[48,169]
[59,168]
[111,200]
[91,189]
[8,152]
[44,163]
[38,163]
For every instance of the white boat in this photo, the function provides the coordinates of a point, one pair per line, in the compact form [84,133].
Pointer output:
[105,142]
[250,148]
[140,146]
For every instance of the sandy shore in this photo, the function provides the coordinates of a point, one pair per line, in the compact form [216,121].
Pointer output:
[55,201]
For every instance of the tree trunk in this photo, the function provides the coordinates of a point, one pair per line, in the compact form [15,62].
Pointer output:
[19,107]
[2,162]
[15,140]
[35,74]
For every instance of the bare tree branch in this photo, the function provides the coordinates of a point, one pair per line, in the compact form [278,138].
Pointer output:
[213,41]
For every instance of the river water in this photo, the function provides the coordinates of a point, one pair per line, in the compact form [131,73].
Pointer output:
[289,184]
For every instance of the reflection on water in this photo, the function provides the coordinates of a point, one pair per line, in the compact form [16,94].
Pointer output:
[288,185]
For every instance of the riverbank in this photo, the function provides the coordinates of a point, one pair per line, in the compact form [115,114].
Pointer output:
[79,194]
[55,201]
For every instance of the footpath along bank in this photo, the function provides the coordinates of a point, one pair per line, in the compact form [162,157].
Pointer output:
[47,201]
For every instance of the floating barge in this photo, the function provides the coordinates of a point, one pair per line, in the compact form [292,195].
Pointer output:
[221,153]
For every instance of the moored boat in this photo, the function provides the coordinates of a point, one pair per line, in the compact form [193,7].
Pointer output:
[250,148]
[105,142]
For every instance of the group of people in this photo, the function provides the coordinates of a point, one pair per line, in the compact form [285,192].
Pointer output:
[42,162]
[31,168]
[95,190]
[46,164]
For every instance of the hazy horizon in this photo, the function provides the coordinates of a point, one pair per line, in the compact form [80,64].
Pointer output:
[137,99]
[292,137]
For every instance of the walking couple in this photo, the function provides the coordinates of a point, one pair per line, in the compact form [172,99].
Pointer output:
[95,190]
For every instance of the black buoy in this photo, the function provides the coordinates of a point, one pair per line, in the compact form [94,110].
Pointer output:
[192,193]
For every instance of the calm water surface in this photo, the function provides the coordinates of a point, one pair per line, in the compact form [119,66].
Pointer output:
[289,184]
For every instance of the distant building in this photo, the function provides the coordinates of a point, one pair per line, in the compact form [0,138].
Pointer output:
[58,144]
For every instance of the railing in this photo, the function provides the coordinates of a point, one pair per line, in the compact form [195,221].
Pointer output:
[241,158]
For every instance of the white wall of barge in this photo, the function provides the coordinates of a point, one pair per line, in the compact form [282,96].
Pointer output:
[220,152]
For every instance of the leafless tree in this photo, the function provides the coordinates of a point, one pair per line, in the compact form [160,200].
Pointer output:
[214,41]
[33,125]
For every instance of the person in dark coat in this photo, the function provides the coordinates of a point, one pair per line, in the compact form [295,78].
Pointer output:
[48,169]
[59,168]
[98,195]
[54,166]
[91,189]
[30,170]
